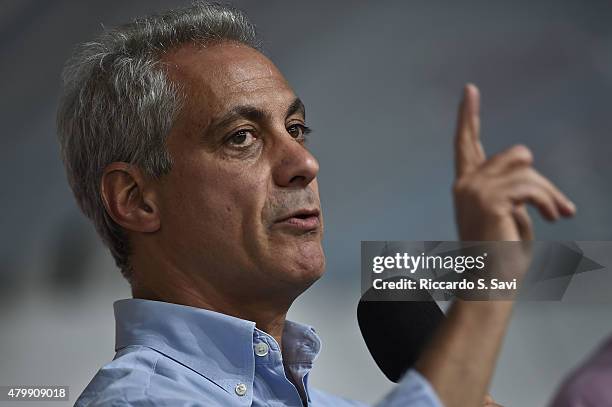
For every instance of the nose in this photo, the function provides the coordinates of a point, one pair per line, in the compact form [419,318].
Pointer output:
[295,166]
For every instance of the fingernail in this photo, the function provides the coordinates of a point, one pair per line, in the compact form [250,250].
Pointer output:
[571,206]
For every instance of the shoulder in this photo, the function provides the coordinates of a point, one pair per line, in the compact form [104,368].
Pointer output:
[324,399]
[589,385]
[122,382]
[140,376]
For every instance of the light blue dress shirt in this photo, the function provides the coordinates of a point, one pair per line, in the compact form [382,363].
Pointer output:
[180,356]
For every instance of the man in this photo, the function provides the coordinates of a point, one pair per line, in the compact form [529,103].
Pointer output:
[186,147]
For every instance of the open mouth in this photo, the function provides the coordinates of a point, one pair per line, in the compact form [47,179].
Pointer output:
[302,220]
[303,216]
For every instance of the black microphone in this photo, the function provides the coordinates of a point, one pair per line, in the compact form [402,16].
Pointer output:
[396,331]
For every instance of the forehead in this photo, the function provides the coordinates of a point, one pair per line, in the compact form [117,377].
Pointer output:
[218,77]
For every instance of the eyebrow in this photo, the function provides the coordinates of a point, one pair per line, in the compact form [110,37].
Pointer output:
[238,112]
[253,113]
[296,107]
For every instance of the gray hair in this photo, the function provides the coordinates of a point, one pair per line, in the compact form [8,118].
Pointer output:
[118,104]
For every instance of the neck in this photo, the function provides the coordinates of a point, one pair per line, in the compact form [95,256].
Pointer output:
[267,311]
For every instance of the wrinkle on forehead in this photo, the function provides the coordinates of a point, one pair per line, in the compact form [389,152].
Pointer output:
[216,78]
[223,67]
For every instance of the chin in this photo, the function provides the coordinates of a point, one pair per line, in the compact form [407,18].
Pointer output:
[304,266]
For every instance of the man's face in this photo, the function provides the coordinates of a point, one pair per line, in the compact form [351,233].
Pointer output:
[240,208]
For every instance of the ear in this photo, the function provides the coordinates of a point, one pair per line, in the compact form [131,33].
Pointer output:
[129,199]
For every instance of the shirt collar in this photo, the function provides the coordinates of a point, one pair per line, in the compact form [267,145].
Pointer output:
[301,344]
[217,346]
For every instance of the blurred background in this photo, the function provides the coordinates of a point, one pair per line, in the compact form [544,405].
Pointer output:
[381,82]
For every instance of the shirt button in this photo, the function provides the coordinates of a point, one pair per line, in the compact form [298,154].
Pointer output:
[241,389]
[261,349]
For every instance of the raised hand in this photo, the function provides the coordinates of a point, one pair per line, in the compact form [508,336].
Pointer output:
[490,194]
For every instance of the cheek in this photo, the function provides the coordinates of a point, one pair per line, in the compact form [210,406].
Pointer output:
[217,201]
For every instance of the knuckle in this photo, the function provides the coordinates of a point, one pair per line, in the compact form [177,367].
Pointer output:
[459,186]
[466,186]
[522,152]
[526,175]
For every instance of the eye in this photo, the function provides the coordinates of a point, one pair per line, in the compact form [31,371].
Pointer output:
[242,138]
[298,131]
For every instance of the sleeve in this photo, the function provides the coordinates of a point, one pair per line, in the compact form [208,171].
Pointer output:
[413,390]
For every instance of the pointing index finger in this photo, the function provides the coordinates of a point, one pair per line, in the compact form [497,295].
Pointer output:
[469,153]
